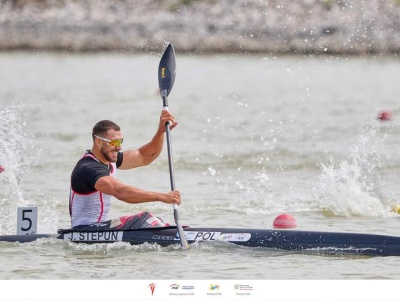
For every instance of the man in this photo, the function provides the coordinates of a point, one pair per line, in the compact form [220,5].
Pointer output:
[2,169]
[93,180]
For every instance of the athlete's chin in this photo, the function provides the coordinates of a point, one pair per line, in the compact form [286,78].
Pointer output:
[112,157]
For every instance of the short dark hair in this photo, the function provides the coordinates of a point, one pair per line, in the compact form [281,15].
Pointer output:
[103,126]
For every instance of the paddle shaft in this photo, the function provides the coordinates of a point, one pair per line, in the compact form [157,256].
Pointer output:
[171,168]
[166,79]
[184,242]
[169,148]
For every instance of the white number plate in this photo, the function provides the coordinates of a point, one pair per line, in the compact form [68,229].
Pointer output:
[27,220]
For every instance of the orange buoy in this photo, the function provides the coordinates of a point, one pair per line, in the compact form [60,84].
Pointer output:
[285,221]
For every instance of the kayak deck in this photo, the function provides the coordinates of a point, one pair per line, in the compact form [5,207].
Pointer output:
[290,240]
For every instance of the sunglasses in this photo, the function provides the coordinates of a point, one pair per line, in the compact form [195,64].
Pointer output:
[114,143]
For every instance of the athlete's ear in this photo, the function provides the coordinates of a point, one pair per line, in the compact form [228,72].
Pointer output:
[97,141]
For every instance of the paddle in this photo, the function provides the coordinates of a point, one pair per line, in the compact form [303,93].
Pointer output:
[166,79]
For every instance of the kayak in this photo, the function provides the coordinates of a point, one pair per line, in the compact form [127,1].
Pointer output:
[278,239]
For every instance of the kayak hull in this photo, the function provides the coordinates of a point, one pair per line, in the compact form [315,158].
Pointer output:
[289,240]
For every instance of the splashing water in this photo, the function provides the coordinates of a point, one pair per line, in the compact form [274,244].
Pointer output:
[17,154]
[351,187]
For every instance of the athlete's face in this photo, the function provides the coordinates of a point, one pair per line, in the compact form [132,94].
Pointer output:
[108,148]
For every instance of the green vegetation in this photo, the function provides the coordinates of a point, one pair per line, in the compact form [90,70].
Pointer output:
[329,3]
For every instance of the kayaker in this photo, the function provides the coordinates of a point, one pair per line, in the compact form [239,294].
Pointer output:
[2,169]
[93,180]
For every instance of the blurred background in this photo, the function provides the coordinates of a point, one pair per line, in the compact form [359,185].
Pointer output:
[203,26]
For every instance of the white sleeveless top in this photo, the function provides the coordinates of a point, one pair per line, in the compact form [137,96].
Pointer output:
[92,208]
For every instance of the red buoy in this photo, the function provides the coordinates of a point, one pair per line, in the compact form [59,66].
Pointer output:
[384,116]
[285,221]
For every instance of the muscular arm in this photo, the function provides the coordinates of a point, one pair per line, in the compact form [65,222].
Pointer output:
[146,154]
[130,194]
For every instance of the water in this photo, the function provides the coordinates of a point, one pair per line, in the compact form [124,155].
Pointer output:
[257,136]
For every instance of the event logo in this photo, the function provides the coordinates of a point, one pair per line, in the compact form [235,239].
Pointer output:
[214,287]
[214,290]
[152,287]
[177,290]
[174,286]
[243,287]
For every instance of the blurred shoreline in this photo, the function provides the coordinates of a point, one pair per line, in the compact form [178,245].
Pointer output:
[203,26]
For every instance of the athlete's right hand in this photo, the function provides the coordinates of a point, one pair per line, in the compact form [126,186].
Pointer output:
[173,197]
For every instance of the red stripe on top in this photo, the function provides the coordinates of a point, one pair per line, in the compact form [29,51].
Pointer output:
[91,155]
[70,203]
[102,207]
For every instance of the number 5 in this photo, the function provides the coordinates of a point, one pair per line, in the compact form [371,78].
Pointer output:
[27,220]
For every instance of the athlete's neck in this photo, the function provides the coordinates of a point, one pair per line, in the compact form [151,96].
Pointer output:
[100,157]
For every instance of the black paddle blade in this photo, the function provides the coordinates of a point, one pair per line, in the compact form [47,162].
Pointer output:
[166,71]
